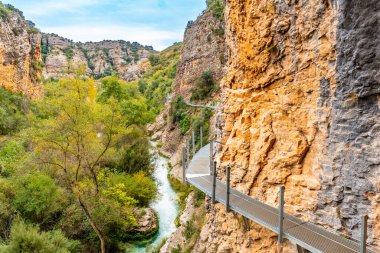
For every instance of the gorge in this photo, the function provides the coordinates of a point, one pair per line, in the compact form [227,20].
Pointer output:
[296,85]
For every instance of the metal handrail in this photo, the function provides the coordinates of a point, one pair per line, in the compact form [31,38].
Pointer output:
[311,228]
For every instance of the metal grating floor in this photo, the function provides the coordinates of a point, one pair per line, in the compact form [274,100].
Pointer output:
[307,235]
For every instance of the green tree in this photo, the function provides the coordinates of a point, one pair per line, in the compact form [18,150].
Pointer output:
[91,90]
[134,153]
[77,141]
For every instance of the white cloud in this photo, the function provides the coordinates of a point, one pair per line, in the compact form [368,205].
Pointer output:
[48,7]
[159,39]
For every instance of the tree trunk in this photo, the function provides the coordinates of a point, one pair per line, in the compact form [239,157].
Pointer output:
[94,227]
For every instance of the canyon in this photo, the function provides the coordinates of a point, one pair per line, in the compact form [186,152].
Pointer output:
[297,99]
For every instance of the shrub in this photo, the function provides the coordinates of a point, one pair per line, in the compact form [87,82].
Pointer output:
[185,124]
[204,86]
[12,117]
[154,60]
[4,12]
[178,109]
[199,197]
[33,30]
[219,31]
[38,65]
[7,212]
[135,156]
[179,114]
[202,120]
[141,188]
[10,154]
[26,238]
[177,249]
[217,7]
[189,229]
[38,198]
[69,52]
[17,31]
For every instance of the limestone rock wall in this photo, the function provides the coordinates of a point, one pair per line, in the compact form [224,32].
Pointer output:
[204,49]
[300,109]
[103,58]
[20,58]
[350,176]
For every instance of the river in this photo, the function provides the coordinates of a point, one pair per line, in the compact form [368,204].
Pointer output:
[165,206]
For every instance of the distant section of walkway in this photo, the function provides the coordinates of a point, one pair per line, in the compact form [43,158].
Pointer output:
[194,105]
[304,234]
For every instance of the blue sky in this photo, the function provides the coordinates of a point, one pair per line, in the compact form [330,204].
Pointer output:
[159,23]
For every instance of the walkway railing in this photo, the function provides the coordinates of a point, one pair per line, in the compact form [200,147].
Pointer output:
[201,172]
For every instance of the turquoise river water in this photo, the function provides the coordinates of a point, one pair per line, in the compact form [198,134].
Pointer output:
[165,206]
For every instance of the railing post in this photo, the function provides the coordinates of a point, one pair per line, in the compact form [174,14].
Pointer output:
[201,137]
[228,189]
[213,182]
[187,149]
[211,155]
[281,215]
[193,141]
[363,238]
[184,165]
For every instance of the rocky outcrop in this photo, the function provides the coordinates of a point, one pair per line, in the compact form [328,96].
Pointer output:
[130,60]
[147,223]
[20,59]
[203,50]
[191,213]
[300,109]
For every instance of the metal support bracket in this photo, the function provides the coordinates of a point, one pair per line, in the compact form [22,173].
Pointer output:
[228,171]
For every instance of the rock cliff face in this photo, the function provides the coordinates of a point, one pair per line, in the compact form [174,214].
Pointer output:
[103,58]
[20,58]
[203,49]
[300,108]
[350,175]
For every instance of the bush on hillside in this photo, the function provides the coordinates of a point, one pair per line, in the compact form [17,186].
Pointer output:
[10,154]
[28,238]
[4,12]
[204,86]
[38,198]
[12,117]
[180,115]
[217,7]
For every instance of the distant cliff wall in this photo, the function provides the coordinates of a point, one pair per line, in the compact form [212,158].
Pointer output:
[129,60]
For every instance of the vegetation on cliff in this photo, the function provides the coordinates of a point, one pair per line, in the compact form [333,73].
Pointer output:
[217,7]
[158,81]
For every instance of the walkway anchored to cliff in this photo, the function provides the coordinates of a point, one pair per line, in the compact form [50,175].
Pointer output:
[307,236]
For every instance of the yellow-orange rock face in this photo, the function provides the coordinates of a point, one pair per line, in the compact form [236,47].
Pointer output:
[19,54]
[276,115]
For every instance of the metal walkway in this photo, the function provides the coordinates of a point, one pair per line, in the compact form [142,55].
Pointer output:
[309,236]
